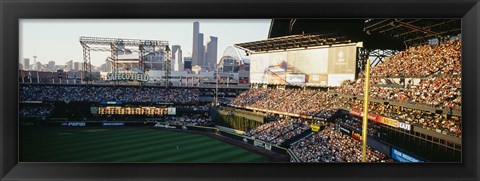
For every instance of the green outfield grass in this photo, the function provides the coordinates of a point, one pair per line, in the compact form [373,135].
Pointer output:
[42,144]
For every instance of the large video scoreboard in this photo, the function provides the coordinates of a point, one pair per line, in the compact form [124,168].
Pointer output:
[327,66]
[130,110]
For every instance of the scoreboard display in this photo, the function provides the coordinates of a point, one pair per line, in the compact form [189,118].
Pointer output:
[124,110]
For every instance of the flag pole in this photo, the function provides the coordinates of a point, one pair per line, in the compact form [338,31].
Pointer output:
[365,111]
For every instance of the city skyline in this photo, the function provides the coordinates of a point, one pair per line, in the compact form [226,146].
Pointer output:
[58,40]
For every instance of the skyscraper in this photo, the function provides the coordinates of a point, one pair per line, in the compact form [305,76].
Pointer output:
[211,53]
[196,44]
[177,58]
[69,65]
[201,51]
[187,63]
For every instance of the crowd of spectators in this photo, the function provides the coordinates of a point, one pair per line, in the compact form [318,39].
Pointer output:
[330,145]
[422,61]
[277,132]
[43,110]
[322,104]
[297,101]
[194,107]
[107,93]
[437,91]
[438,67]
[190,120]
[442,123]
[374,129]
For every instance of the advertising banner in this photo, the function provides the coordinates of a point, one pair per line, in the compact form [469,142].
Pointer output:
[310,61]
[317,79]
[276,79]
[404,126]
[345,130]
[383,120]
[111,102]
[74,124]
[356,136]
[403,157]
[171,111]
[113,124]
[295,79]
[341,60]
[388,121]
[162,125]
[359,113]
[320,66]
[259,78]
[262,145]
[314,127]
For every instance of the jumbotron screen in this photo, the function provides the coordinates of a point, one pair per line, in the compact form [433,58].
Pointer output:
[324,66]
[240,91]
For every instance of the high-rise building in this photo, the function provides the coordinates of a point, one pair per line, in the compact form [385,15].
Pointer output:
[69,65]
[201,51]
[80,66]
[76,66]
[211,53]
[108,67]
[196,44]
[26,63]
[187,63]
[176,58]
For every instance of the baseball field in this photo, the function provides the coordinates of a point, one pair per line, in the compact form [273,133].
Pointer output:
[57,144]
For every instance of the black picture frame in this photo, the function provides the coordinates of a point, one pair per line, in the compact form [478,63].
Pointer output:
[12,11]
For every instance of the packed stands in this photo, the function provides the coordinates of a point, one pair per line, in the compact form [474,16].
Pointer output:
[106,93]
[37,110]
[277,132]
[437,69]
[331,145]
[437,91]
[190,120]
[443,123]
[296,101]
[422,61]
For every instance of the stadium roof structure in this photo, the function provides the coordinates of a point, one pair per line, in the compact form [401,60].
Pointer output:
[413,31]
[235,53]
[374,33]
[294,41]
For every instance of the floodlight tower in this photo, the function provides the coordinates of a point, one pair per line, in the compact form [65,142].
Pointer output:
[167,68]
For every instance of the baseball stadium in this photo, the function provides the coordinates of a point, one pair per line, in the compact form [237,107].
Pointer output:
[314,90]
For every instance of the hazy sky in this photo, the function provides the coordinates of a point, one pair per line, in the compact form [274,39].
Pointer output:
[58,40]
